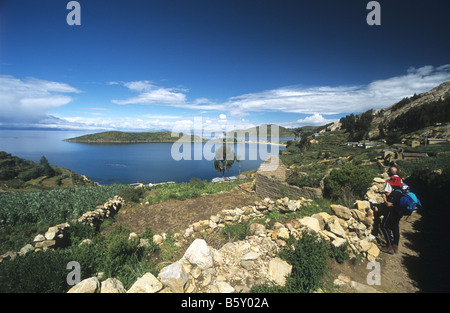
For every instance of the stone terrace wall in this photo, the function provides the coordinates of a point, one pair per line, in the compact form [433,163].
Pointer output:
[272,184]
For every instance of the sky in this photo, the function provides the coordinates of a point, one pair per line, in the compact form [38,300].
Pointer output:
[155,65]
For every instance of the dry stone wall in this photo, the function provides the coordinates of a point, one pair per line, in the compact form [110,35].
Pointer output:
[271,183]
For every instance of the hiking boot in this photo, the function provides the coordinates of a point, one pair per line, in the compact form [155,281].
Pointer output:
[387,249]
[395,248]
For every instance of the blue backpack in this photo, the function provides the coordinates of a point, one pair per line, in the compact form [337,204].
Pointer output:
[408,202]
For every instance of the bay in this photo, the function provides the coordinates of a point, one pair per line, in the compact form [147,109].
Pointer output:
[122,163]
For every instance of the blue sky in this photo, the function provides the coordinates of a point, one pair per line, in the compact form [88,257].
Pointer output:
[158,64]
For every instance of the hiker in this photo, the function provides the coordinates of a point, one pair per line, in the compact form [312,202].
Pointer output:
[391,220]
[394,182]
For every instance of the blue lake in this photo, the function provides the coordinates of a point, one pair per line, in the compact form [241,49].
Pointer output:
[124,163]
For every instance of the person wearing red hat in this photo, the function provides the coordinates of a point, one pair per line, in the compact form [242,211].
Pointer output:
[390,224]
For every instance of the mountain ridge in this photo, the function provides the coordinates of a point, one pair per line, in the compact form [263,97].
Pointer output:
[379,123]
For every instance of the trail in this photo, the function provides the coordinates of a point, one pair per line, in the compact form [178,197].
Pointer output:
[400,273]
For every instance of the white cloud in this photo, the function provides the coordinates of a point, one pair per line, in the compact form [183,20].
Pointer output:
[341,99]
[321,100]
[152,94]
[313,120]
[30,98]
[222,116]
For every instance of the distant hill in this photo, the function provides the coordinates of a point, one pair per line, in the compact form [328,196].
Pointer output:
[126,137]
[20,174]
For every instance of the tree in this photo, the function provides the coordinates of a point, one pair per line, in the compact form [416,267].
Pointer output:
[297,132]
[239,160]
[304,143]
[224,159]
[47,169]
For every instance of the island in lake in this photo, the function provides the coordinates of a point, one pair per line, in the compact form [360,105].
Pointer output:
[139,137]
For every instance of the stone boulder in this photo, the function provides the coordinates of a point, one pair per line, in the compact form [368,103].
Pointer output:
[26,249]
[279,270]
[89,285]
[310,223]
[199,254]
[257,229]
[341,211]
[335,227]
[146,284]
[112,285]
[174,276]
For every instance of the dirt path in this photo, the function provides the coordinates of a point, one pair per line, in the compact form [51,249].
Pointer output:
[177,215]
[399,272]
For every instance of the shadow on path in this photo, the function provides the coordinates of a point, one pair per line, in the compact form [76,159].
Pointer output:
[431,238]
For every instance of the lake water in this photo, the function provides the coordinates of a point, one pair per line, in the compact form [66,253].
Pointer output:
[120,163]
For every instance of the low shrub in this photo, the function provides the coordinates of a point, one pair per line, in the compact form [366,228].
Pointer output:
[132,194]
[148,234]
[36,273]
[236,232]
[341,253]
[351,181]
[309,258]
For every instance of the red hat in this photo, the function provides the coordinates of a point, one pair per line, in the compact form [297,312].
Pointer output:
[395,181]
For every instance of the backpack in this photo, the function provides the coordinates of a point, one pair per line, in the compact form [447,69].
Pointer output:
[408,202]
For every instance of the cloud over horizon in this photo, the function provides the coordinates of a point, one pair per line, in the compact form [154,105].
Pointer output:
[31,101]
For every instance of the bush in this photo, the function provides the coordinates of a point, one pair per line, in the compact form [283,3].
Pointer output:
[148,234]
[235,232]
[79,232]
[351,181]
[310,180]
[36,273]
[197,183]
[132,194]
[341,253]
[309,259]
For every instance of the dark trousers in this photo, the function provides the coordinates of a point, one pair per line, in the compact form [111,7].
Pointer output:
[390,223]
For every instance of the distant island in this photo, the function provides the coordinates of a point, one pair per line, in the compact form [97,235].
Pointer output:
[160,137]
[282,131]
[139,137]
